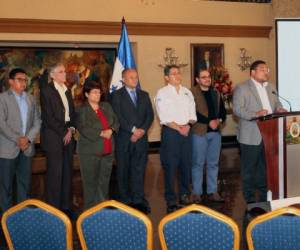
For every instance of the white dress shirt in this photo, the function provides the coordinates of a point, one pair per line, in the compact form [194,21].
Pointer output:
[263,95]
[173,106]
[62,92]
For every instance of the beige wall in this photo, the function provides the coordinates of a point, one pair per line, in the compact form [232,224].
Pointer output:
[169,11]
[150,49]
[281,9]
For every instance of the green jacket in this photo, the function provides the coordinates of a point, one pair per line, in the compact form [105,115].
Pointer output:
[89,128]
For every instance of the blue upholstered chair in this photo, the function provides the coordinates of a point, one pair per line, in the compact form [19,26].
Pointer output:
[198,227]
[33,224]
[279,229]
[113,225]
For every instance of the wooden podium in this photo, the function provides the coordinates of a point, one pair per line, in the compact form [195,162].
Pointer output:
[273,128]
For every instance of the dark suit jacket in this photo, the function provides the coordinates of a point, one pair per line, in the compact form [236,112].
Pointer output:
[130,116]
[54,127]
[89,127]
[202,65]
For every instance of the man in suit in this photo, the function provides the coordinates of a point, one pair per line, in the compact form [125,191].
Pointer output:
[58,119]
[134,111]
[19,126]
[206,63]
[254,98]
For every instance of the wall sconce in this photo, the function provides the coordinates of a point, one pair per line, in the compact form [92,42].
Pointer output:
[171,59]
[245,60]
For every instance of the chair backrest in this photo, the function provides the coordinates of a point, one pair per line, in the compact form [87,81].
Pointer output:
[113,225]
[198,227]
[33,224]
[279,229]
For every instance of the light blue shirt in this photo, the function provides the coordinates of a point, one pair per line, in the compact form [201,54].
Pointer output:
[23,107]
[132,94]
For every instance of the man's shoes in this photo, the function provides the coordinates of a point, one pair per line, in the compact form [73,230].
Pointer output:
[196,199]
[184,200]
[215,197]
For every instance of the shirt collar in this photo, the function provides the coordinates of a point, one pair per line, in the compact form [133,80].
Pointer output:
[265,84]
[59,86]
[174,88]
[130,90]
[22,96]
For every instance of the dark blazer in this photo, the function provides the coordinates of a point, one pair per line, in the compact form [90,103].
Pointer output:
[202,64]
[54,127]
[130,116]
[89,127]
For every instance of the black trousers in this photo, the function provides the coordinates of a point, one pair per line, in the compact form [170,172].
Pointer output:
[59,176]
[175,154]
[253,172]
[131,167]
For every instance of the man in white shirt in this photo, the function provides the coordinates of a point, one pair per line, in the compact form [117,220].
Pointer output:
[58,119]
[176,110]
[254,98]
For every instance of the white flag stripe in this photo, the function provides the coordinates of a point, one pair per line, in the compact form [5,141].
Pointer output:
[116,81]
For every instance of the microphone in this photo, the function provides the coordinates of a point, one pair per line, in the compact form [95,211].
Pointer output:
[288,102]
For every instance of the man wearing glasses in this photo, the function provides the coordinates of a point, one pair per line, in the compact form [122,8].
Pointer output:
[58,119]
[206,137]
[19,126]
[175,107]
[254,98]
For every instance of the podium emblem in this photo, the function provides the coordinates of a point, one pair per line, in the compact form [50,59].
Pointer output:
[295,129]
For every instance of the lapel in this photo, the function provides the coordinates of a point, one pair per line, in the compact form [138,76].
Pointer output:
[104,110]
[56,93]
[29,111]
[254,92]
[128,98]
[70,101]
[14,105]
[270,96]
[92,116]
[139,98]
[201,103]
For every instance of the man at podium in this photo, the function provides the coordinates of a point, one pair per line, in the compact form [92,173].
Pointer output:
[254,98]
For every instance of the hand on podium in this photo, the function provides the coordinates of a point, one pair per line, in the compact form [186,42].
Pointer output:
[262,112]
[281,110]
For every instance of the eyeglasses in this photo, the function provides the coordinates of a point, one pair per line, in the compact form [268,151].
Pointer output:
[263,69]
[205,77]
[21,79]
[59,72]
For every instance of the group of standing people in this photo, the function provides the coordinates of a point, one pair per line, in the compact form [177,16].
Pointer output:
[190,137]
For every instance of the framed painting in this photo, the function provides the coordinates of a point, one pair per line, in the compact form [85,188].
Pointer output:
[211,57]
[82,61]
[206,56]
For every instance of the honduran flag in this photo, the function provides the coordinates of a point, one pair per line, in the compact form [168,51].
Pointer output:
[123,61]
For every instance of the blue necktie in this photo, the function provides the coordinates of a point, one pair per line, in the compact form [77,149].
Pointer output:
[133,97]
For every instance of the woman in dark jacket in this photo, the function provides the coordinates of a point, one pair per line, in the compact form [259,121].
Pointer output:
[96,123]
